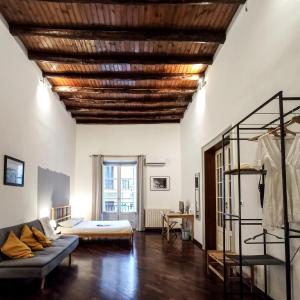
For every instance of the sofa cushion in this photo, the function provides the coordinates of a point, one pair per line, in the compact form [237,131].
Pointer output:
[14,248]
[41,237]
[4,232]
[65,241]
[28,238]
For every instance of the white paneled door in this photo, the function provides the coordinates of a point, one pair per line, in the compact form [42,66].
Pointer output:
[219,199]
[120,192]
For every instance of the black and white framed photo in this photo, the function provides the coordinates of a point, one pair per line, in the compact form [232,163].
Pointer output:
[160,183]
[13,171]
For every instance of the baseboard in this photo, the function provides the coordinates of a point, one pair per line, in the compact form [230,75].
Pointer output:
[150,229]
[198,244]
[158,229]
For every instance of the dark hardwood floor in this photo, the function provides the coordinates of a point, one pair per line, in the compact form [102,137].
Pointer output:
[153,270]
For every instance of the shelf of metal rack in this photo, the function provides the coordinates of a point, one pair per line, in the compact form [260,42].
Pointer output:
[245,172]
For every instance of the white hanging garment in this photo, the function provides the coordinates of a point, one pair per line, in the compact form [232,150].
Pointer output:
[269,155]
[293,179]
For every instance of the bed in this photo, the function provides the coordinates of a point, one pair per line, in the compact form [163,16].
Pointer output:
[120,229]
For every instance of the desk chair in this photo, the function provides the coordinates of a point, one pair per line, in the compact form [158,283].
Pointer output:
[171,225]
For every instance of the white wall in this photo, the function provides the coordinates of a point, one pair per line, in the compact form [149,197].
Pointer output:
[259,58]
[34,127]
[157,142]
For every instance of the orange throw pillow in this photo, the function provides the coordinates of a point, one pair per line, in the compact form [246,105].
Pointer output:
[28,238]
[14,248]
[41,237]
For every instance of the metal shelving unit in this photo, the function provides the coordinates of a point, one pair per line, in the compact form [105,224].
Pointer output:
[236,133]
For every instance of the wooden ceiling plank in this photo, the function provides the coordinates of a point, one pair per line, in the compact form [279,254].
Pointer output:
[147,2]
[128,34]
[124,106]
[119,58]
[122,76]
[123,99]
[129,82]
[127,113]
[107,90]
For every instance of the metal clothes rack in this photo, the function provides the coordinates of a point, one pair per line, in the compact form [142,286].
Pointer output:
[278,101]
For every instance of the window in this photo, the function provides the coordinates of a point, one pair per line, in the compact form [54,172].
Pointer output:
[109,177]
[119,188]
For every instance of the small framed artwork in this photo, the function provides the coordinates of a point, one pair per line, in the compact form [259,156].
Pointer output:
[13,171]
[159,183]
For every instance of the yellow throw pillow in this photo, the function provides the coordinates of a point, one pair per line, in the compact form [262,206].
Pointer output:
[14,248]
[28,238]
[41,237]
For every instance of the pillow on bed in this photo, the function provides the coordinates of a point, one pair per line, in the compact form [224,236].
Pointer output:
[70,223]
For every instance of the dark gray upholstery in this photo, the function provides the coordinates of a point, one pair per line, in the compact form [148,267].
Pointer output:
[43,261]
[4,232]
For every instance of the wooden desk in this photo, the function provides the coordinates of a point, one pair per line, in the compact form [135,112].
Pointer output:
[178,216]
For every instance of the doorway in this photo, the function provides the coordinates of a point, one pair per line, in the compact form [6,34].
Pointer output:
[219,198]
[213,184]
[119,196]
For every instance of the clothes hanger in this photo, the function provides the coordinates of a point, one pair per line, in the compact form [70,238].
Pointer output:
[269,131]
[275,130]
[294,120]
[248,241]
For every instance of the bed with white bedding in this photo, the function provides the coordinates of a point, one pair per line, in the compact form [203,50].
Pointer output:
[99,228]
[120,229]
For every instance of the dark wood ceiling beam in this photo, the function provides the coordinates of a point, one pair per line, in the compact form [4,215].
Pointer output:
[123,121]
[78,100]
[126,90]
[134,105]
[125,98]
[122,76]
[116,107]
[104,58]
[118,113]
[129,118]
[132,34]
[146,2]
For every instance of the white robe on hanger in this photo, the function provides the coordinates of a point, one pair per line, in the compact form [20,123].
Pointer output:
[293,179]
[269,155]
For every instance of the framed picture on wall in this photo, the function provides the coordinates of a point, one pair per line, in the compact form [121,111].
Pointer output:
[159,183]
[13,171]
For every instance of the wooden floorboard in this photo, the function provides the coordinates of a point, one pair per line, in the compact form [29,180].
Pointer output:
[153,270]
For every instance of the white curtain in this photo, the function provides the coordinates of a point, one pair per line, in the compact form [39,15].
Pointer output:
[97,162]
[141,193]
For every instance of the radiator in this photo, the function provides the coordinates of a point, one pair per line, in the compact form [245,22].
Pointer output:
[153,217]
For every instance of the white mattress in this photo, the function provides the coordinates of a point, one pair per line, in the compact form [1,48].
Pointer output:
[106,227]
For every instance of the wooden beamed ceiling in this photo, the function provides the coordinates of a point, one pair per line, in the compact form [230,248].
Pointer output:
[122,61]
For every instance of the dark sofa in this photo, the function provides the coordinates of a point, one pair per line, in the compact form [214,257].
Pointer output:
[43,262]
